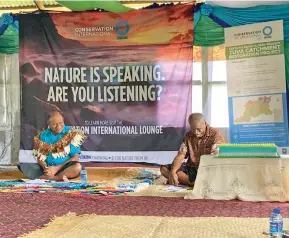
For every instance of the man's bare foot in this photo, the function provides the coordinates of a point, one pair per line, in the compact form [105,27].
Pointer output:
[45,177]
[65,179]
[55,178]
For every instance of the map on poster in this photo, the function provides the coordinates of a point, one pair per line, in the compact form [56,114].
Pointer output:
[258,109]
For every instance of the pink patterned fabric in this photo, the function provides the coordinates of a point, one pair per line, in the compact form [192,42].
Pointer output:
[23,213]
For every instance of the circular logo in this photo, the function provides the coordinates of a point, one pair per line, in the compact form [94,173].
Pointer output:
[267,30]
[122,28]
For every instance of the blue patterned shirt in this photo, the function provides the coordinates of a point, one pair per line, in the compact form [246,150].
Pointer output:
[48,137]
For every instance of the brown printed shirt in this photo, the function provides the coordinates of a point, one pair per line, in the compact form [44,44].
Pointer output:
[193,147]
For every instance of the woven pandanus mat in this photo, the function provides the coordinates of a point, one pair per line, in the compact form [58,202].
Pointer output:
[159,191]
[73,226]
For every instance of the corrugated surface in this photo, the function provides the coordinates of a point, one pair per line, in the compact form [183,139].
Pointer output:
[49,2]
[23,3]
[30,3]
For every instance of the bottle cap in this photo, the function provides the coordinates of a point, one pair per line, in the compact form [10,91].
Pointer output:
[82,168]
[276,210]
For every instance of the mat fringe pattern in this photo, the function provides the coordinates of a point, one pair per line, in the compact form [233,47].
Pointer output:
[71,188]
[23,213]
[89,226]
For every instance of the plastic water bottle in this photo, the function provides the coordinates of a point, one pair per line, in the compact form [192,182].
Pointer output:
[276,224]
[83,175]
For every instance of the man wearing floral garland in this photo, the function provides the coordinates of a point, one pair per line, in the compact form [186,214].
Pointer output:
[57,151]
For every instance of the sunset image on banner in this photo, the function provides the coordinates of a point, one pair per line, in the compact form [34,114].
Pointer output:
[124,79]
[144,27]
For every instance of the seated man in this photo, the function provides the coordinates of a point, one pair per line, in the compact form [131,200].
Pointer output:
[57,152]
[200,140]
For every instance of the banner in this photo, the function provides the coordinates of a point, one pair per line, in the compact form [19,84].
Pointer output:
[124,79]
[257,84]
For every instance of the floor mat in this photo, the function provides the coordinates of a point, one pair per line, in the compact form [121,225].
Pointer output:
[75,188]
[113,176]
[159,191]
[91,226]
[95,174]
[23,213]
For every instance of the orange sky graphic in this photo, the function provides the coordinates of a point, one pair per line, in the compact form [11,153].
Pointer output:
[166,25]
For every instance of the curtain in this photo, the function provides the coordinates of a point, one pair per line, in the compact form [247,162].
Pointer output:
[208,33]
[9,109]
[250,15]
[9,41]
[9,36]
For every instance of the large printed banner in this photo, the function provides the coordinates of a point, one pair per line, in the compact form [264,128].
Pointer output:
[125,79]
[257,84]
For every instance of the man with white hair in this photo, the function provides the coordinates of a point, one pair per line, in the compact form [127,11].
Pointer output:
[200,140]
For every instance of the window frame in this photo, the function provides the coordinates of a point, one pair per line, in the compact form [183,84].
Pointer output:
[206,85]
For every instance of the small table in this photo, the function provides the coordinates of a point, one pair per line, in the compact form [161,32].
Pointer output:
[245,179]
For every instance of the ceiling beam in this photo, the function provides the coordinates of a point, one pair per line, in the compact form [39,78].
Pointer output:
[39,4]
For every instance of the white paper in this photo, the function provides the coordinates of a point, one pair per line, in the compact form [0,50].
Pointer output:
[174,189]
[36,181]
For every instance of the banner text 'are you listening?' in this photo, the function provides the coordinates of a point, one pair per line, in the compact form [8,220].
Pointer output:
[107,84]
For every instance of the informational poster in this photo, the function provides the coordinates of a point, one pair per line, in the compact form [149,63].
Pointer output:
[257,84]
[125,79]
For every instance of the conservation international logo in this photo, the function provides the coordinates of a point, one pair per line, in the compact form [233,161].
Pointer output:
[122,28]
[267,31]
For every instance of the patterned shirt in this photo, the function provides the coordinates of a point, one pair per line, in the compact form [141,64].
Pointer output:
[193,147]
[57,149]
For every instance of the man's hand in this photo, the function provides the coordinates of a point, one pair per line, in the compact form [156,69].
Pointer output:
[47,172]
[50,171]
[173,178]
[215,149]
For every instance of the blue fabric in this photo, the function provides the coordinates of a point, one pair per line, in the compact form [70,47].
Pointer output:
[3,28]
[219,21]
[47,136]
[8,19]
[227,17]
[197,14]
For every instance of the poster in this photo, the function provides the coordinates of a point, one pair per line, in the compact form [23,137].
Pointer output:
[124,79]
[257,84]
